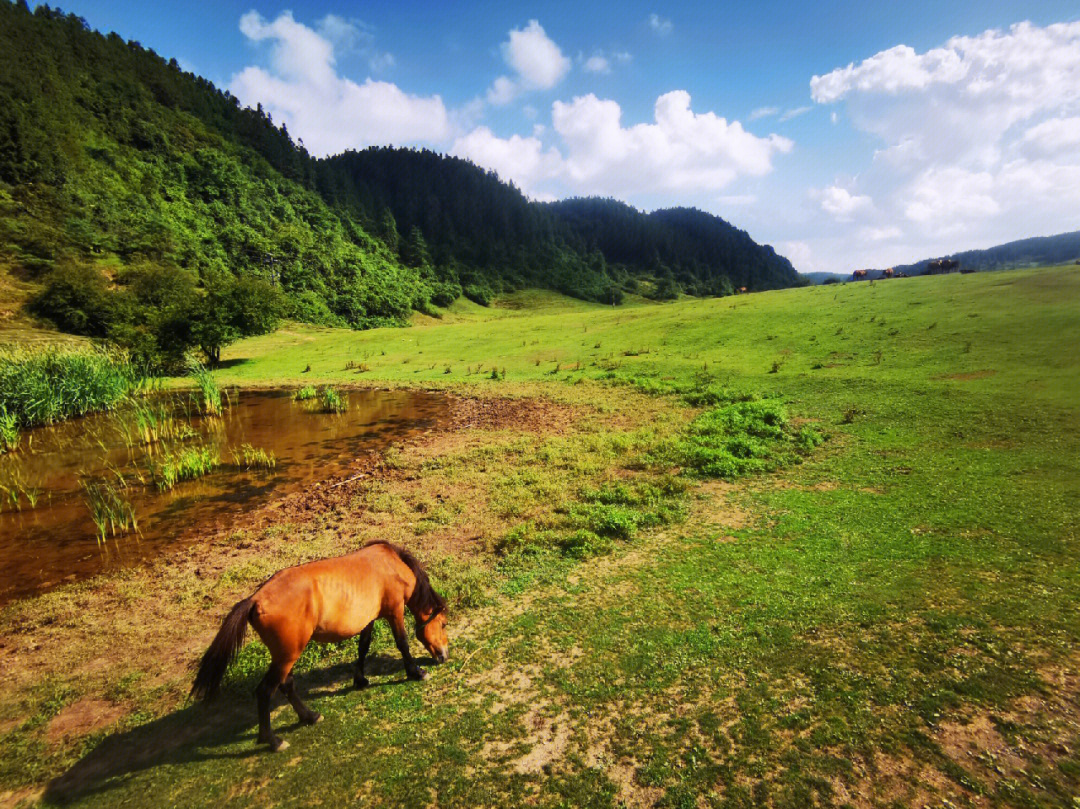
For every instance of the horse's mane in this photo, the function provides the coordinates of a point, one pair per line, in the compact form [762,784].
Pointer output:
[424,596]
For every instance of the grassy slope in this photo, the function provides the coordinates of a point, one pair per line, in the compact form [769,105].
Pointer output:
[841,632]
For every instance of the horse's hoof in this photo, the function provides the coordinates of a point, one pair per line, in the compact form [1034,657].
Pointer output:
[277,745]
[360,682]
[418,674]
[313,718]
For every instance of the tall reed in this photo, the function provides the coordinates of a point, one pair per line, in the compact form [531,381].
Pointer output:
[111,512]
[43,386]
[9,431]
[207,390]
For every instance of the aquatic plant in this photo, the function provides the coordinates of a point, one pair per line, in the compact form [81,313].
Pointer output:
[207,391]
[305,393]
[111,512]
[14,489]
[184,463]
[9,431]
[249,457]
[43,386]
[332,400]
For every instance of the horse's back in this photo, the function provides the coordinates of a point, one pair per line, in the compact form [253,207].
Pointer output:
[328,599]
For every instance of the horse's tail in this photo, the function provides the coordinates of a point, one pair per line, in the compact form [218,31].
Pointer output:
[222,650]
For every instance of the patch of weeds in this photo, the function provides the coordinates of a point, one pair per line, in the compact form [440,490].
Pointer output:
[743,438]
[305,393]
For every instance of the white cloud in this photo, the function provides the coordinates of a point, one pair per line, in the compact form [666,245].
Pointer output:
[794,113]
[842,204]
[682,151]
[597,64]
[502,91]
[1053,136]
[535,58]
[881,234]
[800,254]
[517,159]
[329,112]
[354,36]
[763,112]
[980,138]
[659,25]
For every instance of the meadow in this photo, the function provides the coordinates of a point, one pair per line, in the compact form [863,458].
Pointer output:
[807,547]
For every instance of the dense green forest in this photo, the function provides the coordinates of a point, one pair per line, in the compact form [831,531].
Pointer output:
[1040,251]
[150,207]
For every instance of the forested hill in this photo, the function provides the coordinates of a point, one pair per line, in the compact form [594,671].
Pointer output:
[485,228]
[701,252]
[121,176]
[1040,251]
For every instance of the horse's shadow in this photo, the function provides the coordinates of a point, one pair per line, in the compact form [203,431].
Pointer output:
[199,732]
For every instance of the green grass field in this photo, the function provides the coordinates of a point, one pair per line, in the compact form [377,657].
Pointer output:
[891,622]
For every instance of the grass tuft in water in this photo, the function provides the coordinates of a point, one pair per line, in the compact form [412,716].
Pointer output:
[185,463]
[9,431]
[207,390]
[111,512]
[253,457]
[332,401]
[305,393]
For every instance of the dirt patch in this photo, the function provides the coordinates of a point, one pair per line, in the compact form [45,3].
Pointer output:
[82,718]
[632,794]
[964,377]
[548,737]
[527,415]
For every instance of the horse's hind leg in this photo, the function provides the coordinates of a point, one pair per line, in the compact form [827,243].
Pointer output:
[275,677]
[362,646]
[306,715]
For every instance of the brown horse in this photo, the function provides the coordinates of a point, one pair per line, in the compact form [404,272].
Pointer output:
[327,601]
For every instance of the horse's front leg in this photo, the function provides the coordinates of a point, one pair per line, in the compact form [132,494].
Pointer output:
[362,646]
[401,638]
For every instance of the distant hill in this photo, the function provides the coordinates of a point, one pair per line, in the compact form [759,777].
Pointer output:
[121,173]
[1040,251]
[822,277]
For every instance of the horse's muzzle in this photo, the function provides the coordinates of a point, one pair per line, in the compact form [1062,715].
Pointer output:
[441,655]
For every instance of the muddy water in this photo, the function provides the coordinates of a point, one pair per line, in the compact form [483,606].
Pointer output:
[57,541]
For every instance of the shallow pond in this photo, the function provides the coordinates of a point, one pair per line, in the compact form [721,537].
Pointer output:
[55,539]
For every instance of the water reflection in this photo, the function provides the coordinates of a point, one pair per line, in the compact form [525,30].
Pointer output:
[57,540]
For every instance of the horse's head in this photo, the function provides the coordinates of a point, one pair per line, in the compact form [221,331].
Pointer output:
[431,631]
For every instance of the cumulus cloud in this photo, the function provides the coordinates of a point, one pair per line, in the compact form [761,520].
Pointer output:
[980,138]
[659,25]
[517,159]
[329,112]
[537,61]
[681,151]
[841,204]
[597,63]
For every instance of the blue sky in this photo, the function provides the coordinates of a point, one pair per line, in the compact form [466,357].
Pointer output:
[846,135]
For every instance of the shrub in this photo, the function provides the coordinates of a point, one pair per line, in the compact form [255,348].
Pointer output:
[479,293]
